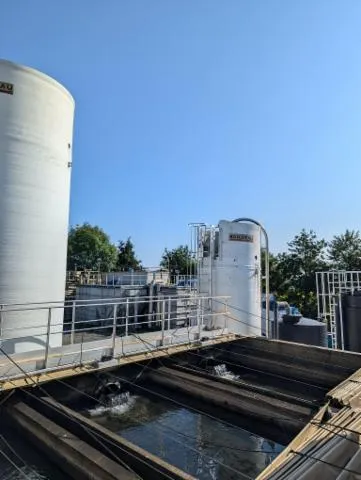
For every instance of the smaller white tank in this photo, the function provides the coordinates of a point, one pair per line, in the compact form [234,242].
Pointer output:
[230,265]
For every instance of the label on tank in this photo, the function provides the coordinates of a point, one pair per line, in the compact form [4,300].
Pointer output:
[241,237]
[6,87]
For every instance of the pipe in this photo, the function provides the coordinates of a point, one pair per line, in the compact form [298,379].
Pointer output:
[250,220]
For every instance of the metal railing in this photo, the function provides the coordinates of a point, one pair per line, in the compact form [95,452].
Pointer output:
[126,279]
[55,334]
[136,278]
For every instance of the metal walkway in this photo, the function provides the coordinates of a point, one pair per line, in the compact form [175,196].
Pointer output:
[103,334]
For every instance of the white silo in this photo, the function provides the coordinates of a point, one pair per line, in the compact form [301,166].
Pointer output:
[36,129]
[230,265]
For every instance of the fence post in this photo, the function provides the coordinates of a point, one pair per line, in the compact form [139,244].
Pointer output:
[47,339]
[127,317]
[114,328]
[72,335]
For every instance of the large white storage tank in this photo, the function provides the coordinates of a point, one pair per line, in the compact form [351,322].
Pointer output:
[230,265]
[36,129]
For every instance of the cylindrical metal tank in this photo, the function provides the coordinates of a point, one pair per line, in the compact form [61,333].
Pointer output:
[231,267]
[307,331]
[36,129]
[350,320]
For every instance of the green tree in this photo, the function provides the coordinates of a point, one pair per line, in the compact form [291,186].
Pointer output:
[127,259]
[344,251]
[89,248]
[277,278]
[292,274]
[179,260]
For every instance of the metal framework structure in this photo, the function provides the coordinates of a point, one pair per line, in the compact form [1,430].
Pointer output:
[330,286]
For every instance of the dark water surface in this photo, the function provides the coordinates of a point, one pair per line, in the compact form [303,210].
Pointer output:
[203,447]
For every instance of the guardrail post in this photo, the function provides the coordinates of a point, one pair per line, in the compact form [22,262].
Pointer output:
[136,313]
[162,313]
[47,339]
[275,320]
[114,328]
[226,314]
[169,311]
[127,317]
[72,335]
[200,317]
[150,305]
[158,313]
[1,321]
[81,349]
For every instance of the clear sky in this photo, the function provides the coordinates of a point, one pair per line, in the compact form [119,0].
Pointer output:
[201,110]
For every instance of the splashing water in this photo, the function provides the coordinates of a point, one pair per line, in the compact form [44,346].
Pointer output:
[221,371]
[115,405]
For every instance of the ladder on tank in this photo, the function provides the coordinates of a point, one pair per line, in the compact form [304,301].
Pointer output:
[331,286]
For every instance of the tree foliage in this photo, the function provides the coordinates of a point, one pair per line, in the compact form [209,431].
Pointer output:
[292,274]
[127,259]
[179,260]
[89,248]
[345,251]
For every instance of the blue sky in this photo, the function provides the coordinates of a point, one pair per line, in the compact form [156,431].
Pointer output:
[201,110]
